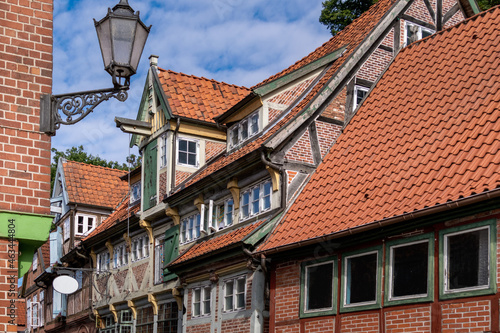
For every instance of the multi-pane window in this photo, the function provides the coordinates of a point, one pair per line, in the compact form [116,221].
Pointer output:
[256,199]
[187,152]
[359,94]
[35,261]
[318,287]
[201,301]
[109,324]
[159,259]
[40,311]
[145,320]
[167,317]
[140,248]
[120,256]
[103,261]
[163,151]
[126,321]
[415,32]
[224,214]
[409,270]
[28,314]
[235,294]
[34,310]
[361,279]
[66,229]
[84,224]
[244,129]
[135,192]
[191,228]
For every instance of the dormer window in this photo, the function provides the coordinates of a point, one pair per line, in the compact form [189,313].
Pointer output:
[135,192]
[191,228]
[84,224]
[360,93]
[187,152]
[243,130]
[416,32]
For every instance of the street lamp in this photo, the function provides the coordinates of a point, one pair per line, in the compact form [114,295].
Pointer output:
[122,36]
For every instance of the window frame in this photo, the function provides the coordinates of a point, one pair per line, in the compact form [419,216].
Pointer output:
[109,324]
[135,192]
[203,290]
[143,240]
[35,261]
[103,258]
[492,253]
[224,204]
[250,191]
[234,294]
[158,264]
[171,321]
[304,313]
[163,150]
[85,223]
[357,88]
[376,304]
[238,128]
[139,324]
[126,323]
[120,256]
[41,319]
[66,229]
[388,299]
[419,32]
[197,153]
[188,227]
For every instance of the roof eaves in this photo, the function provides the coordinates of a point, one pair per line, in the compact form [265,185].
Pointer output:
[246,100]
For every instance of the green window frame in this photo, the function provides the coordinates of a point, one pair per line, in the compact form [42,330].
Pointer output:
[311,274]
[399,253]
[354,285]
[479,249]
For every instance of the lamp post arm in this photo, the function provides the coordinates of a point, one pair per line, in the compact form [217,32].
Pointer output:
[67,109]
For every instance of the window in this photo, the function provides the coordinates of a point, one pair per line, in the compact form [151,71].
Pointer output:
[140,248]
[145,320]
[84,224]
[120,256]
[466,260]
[103,261]
[159,259]
[224,214]
[28,314]
[42,305]
[234,294]
[244,129]
[191,228]
[35,260]
[359,94]
[171,250]
[415,32]
[187,152]
[409,267]
[109,324]
[318,288]
[135,192]
[167,317]
[66,229]
[34,312]
[163,151]
[126,321]
[201,301]
[256,200]
[361,280]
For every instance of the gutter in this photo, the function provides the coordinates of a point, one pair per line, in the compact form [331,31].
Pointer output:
[473,199]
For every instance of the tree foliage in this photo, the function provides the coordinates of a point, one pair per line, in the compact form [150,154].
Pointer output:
[487,4]
[78,154]
[337,14]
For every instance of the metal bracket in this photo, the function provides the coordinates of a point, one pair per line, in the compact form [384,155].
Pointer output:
[70,108]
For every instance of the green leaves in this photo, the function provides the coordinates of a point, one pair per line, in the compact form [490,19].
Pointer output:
[337,14]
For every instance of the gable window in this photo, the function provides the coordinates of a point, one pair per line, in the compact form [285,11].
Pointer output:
[468,261]
[159,259]
[66,229]
[109,324]
[360,93]
[126,321]
[103,259]
[409,270]
[84,224]
[224,214]
[244,129]
[361,280]
[234,294]
[145,320]
[163,151]
[190,228]
[35,260]
[416,32]
[256,199]
[201,301]
[318,288]
[187,152]
[135,192]
[167,317]
[120,256]
[140,248]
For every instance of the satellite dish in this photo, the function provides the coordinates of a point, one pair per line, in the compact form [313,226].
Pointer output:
[65,284]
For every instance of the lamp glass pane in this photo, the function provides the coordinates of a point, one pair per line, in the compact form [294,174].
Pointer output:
[122,31]
[141,34]
[103,34]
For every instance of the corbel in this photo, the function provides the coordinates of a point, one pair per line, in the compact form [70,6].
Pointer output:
[233,187]
[132,307]
[152,299]
[147,225]
[275,177]
[99,324]
[198,202]
[174,214]
[112,309]
[110,249]
[128,241]
[178,297]
[93,255]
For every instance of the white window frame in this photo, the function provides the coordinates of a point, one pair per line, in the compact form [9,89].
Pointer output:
[190,226]
[109,324]
[238,128]
[159,259]
[41,319]
[419,32]
[135,192]
[355,95]
[344,276]
[35,306]
[28,313]
[35,261]
[85,226]
[163,150]
[250,191]
[306,285]
[197,153]
[234,294]
[66,229]
[224,205]
[103,261]
[140,248]
[120,256]
[205,295]
[126,324]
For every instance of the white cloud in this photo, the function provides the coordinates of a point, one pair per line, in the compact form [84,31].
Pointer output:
[235,41]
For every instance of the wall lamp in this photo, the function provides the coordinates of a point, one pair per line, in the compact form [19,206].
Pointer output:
[122,36]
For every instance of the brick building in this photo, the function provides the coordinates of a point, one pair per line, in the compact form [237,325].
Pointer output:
[25,74]
[397,231]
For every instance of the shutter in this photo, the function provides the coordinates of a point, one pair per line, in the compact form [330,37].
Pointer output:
[150,170]
[56,246]
[171,248]
[58,304]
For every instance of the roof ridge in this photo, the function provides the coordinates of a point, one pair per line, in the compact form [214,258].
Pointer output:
[201,78]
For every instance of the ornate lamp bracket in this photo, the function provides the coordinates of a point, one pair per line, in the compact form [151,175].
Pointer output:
[67,109]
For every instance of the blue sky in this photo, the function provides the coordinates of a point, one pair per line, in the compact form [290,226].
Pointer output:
[236,41]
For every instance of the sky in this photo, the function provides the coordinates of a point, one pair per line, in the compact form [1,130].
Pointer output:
[235,41]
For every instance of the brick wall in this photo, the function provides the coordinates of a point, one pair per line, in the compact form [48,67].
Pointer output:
[163,184]
[289,95]
[320,325]
[374,65]
[239,325]
[301,150]
[25,73]
[408,320]
[327,134]
[8,287]
[418,10]
[366,323]
[336,108]
[466,317]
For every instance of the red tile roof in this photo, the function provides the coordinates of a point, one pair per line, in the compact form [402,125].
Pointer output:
[216,243]
[352,35]
[21,312]
[197,97]
[94,185]
[427,134]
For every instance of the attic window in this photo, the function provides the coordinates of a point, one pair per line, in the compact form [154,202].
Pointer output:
[243,130]
[84,224]
[416,32]
[360,93]
[187,152]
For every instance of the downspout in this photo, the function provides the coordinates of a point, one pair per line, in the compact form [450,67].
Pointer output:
[258,293]
[174,148]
